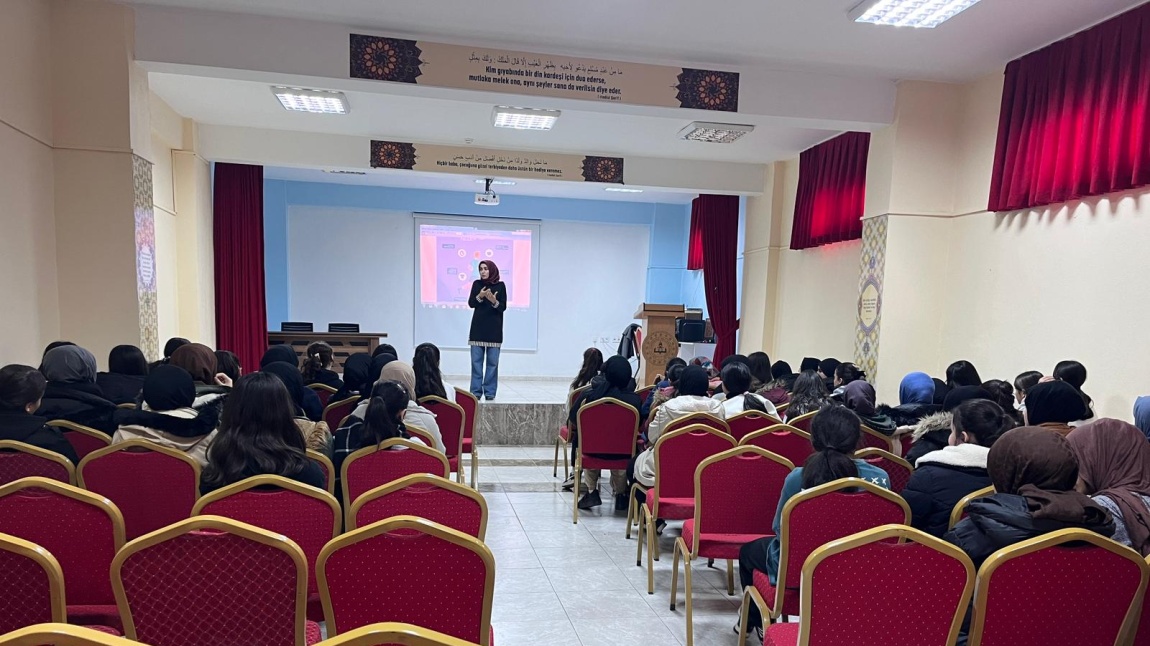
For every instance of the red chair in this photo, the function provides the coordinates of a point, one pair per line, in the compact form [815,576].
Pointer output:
[802,422]
[606,427]
[677,455]
[423,436]
[897,468]
[841,603]
[406,569]
[1041,590]
[84,440]
[645,394]
[373,466]
[813,518]
[152,485]
[1142,637]
[563,439]
[781,409]
[308,516]
[325,465]
[470,406]
[82,530]
[33,590]
[698,418]
[393,634]
[872,439]
[59,634]
[425,496]
[784,440]
[324,392]
[212,580]
[748,422]
[335,412]
[19,460]
[959,511]
[452,421]
[726,517]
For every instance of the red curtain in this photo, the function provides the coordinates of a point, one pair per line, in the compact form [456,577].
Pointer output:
[1075,118]
[238,235]
[832,191]
[695,242]
[718,219]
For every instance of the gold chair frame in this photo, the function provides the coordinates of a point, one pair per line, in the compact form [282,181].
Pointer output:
[416,479]
[801,418]
[61,634]
[72,427]
[329,467]
[863,454]
[51,567]
[579,456]
[474,455]
[75,493]
[960,506]
[693,420]
[890,441]
[393,633]
[51,456]
[754,414]
[561,443]
[462,428]
[143,445]
[383,446]
[318,386]
[272,481]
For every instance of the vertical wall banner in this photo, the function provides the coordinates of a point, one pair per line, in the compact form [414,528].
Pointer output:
[467,160]
[146,257]
[493,70]
[873,266]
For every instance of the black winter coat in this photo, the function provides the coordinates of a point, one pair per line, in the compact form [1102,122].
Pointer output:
[940,481]
[907,414]
[325,377]
[31,429]
[83,404]
[120,389]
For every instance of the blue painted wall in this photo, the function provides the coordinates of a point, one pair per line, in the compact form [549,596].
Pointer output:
[668,280]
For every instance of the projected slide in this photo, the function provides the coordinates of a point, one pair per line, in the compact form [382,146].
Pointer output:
[449,262]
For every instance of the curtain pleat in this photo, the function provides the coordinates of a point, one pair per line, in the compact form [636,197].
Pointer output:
[238,235]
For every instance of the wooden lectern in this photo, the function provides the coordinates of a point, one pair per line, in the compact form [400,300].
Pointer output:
[659,342]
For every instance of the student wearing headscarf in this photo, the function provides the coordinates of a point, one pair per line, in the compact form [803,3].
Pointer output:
[355,380]
[809,363]
[201,363]
[614,382]
[1114,469]
[692,398]
[72,393]
[1053,405]
[932,431]
[167,416]
[859,396]
[915,400]
[416,416]
[311,405]
[827,369]
[1142,415]
[282,352]
[316,435]
[127,368]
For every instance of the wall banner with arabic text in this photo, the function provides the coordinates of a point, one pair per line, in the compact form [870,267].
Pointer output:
[467,160]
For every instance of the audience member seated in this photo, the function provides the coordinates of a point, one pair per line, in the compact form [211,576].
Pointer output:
[127,368]
[1002,393]
[316,435]
[933,432]
[1142,415]
[941,478]
[355,379]
[317,366]
[428,376]
[1034,472]
[782,374]
[808,395]
[962,373]
[1023,383]
[828,369]
[381,419]
[1055,406]
[375,369]
[737,382]
[228,364]
[199,361]
[384,348]
[915,401]
[666,386]
[592,364]
[763,382]
[1114,469]
[941,390]
[258,436]
[809,363]
[835,433]
[72,393]
[1074,373]
[312,406]
[859,396]
[692,398]
[416,416]
[21,388]
[170,415]
[173,344]
[614,383]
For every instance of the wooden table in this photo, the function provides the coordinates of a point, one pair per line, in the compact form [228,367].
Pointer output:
[342,345]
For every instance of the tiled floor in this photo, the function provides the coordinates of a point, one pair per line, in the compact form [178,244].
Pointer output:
[521,390]
[563,584]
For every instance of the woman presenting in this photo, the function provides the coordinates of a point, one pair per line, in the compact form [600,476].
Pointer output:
[489,300]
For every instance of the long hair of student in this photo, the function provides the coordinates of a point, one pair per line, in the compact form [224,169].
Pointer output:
[428,378]
[835,433]
[592,364]
[383,419]
[319,357]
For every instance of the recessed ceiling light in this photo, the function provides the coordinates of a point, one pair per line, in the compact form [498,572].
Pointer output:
[319,101]
[524,118]
[497,182]
[909,13]
[620,189]
[714,133]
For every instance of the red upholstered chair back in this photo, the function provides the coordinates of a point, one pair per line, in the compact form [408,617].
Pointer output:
[698,418]
[33,589]
[153,486]
[1040,590]
[645,394]
[81,530]
[371,467]
[325,465]
[852,587]
[574,395]
[211,580]
[308,516]
[426,496]
[897,468]
[410,570]
[324,392]
[748,422]
[470,406]
[872,439]
[784,440]
[680,452]
[84,440]
[451,420]
[802,422]
[737,492]
[19,460]
[829,512]
[1142,637]
[334,412]
[608,426]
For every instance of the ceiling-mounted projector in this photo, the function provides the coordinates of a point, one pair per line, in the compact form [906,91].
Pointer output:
[487,197]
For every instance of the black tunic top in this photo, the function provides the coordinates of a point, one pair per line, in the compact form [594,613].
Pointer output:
[487,319]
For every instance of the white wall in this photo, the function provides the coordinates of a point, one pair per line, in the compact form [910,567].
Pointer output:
[584,294]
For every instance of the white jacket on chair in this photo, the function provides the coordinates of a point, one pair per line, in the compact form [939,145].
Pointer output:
[670,411]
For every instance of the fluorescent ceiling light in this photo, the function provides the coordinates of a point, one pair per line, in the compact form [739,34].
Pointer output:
[620,189]
[319,101]
[909,13]
[524,118]
[497,182]
[714,133]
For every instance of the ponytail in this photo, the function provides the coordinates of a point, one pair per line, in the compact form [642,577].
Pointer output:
[982,420]
[754,402]
[319,356]
[835,433]
[381,421]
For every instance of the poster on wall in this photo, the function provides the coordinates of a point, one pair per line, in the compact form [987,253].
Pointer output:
[494,70]
[467,160]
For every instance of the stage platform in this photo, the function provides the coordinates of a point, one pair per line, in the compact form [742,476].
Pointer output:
[526,411]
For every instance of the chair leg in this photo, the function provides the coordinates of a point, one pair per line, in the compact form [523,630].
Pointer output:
[474,466]
[641,512]
[687,595]
[675,572]
[575,493]
[744,610]
[459,470]
[730,578]
[652,545]
[565,445]
[555,466]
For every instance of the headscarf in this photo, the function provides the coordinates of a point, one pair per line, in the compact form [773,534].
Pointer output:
[400,372]
[355,371]
[616,375]
[492,271]
[291,378]
[962,394]
[282,352]
[828,367]
[781,369]
[199,360]
[694,381]
[1054,402]
[69,364]
[809,363]
[916,388]
[1114,461]
[1142,415]
[376,368]
[169,387]
[859,396]
[941,390]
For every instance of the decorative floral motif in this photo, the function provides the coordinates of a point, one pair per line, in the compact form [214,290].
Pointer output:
[384,59]
[603,169]
[709,90]
[392,154]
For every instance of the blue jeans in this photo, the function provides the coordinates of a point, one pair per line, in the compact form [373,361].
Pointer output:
[484,383]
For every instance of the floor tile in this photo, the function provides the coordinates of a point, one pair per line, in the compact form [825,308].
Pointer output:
[557,632]
[524,580]
[588,604]
[539,606]
[609,630]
